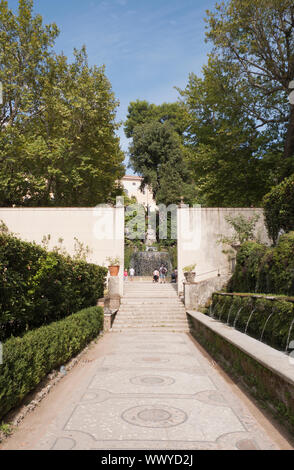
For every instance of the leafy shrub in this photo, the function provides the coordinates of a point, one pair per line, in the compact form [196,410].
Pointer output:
[266,270]
[27,360]
[245,277]
[38,287]
[244,229]
[279,208]
[276,272]
[261,318]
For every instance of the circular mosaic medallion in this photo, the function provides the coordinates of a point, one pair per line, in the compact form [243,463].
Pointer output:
[154,416]
[152,380]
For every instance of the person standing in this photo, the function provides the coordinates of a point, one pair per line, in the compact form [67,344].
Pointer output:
[173,277]
[155,276]
[132,274]
[162,274]
[126,275]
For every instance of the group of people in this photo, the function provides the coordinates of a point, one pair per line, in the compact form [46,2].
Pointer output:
[158,275]
[132,274]
[161,274]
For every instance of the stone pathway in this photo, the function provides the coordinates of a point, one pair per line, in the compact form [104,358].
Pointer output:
[147,391]
[147,385]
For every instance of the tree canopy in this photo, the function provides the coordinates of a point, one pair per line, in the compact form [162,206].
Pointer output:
[232,162]
[156,154]
[257,37]
[142,112]
[57,123]
[235,123]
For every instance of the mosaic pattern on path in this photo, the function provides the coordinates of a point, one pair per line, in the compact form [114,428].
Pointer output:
[140,397]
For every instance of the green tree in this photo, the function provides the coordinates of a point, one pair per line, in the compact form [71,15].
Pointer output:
[257,37]
[279,208]
[157,155]
[57,142]
[232,160]
[142,112]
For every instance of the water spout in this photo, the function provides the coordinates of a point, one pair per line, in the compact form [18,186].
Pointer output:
[289,336]
[237,316]
[247,325]
[228,319]
[213,307]
[268,319]
[222,311]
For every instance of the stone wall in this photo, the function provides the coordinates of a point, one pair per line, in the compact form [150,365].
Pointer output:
[196,294]
[101,228]
[199,230]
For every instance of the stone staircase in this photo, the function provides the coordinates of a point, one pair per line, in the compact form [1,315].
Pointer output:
[151,307]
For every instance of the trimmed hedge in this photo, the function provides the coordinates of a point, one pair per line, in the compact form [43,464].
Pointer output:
[28,360]
[38,287]
[261,269]
[270,320]
[279,208]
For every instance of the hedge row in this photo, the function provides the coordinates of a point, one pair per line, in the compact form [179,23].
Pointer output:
[38,287]
[261,318]
[266,270]
[27,360]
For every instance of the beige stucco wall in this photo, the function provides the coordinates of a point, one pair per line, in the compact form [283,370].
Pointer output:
[101,228]
[198,232]
[132,186]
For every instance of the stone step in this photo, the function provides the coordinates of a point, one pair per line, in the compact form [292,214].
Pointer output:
[151,322]
[152,308]
[131,317]
[153,329]
[155,300]
[150,325]
[154,292]
[150,287]
[174,316]
[146,315]
[156,307]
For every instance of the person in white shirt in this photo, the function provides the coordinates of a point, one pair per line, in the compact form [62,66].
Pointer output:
[132,274]
[155,275]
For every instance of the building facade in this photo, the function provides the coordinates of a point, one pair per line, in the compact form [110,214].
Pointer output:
[132,185]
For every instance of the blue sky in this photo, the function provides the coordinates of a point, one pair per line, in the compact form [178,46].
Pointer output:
[148,46]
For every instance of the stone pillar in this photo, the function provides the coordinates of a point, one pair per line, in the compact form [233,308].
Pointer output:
[112,301]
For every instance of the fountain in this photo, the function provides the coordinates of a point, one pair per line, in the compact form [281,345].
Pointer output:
[268,319]
[222,311]
[237,316]
[145,262]
[230,311]
[289,336]
[247,325]
[212,309]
